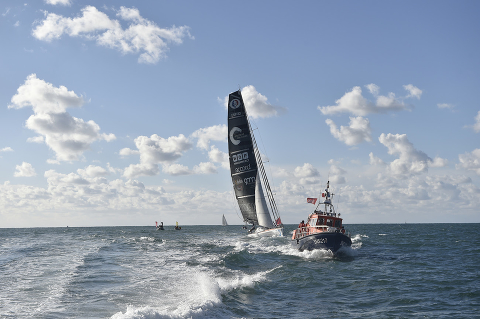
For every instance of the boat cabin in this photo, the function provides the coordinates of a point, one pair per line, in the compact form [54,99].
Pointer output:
[319,222]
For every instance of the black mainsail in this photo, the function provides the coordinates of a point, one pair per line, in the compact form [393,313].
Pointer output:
[246,168]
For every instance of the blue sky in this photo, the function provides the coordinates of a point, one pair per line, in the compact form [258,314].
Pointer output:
[113,112]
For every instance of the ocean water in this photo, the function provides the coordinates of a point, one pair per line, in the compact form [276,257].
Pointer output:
[391,271]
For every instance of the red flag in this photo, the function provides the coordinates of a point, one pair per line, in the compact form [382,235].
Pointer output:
[311,200]
[278,221]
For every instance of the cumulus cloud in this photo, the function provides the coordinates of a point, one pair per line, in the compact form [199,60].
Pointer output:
[205,135]
[307,170]
[355,103]
[24,170]
[358,131]
[217,156]
[337,173]
[93,171]
[307,174]
[257,104]
[36,139]
[439,162]
[66,135]
[156,150]
[205,168]
[176,169]
[445,106]
[375,160]
[411,161]
[141,37]
[61,2]
[476,126]
[413,91]
[470,161]
[6,149]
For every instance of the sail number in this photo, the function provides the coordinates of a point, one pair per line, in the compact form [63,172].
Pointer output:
[320,241]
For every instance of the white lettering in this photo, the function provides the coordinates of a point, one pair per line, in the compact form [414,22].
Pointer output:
[232,132]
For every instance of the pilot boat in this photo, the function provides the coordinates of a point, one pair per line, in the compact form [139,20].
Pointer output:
[323,229]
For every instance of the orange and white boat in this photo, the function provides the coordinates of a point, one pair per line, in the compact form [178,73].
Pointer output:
[323,229]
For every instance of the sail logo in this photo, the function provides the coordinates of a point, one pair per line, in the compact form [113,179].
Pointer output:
[249,180]
[243,169]
[238,184]
[240,158]
[232,137]
[235,104]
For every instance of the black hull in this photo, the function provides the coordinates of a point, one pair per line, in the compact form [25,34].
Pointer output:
[330,241]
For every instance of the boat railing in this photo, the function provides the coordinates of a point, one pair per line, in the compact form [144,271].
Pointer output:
[304,231]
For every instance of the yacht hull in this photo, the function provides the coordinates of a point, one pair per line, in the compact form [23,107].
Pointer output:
[332,241]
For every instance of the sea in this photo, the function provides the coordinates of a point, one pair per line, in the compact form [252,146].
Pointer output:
[391,271]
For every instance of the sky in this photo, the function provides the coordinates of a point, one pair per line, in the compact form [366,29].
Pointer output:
[113,113]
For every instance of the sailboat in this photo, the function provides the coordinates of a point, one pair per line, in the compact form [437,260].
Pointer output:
[224,221]
[248,174]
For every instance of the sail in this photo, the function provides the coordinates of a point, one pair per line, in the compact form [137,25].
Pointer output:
[224,221]
[263,215]
[243,166]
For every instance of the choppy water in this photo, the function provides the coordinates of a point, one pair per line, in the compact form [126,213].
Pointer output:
[391,271]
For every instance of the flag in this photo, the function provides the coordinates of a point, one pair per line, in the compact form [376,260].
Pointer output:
[311,200]
[278,222]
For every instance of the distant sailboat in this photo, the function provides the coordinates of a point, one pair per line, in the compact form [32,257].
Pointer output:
[224,221]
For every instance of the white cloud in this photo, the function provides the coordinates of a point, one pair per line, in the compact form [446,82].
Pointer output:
[141,37]
[215,133]
[438,162]
[445,106]
[155,150]
[142,169]
[373,88]
[217,156]
[337,179]
[413,91]
[353,102]
[307,174]
[257,104]
[93,171]
[358,131]
[6,149]
[476,126]
[336,170]
[411,161]
[375,160]
[176,169]
[61,2]
[24,170]
[44,98]
[127,151]
[307,170]
[205,168]
[67,136]
[470,161]
[36,139]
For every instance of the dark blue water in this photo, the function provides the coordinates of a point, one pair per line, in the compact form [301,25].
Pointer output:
[391,271]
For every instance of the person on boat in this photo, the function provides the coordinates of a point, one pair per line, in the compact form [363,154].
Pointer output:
[302,226]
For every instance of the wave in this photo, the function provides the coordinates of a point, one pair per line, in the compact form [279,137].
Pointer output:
[198,297]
